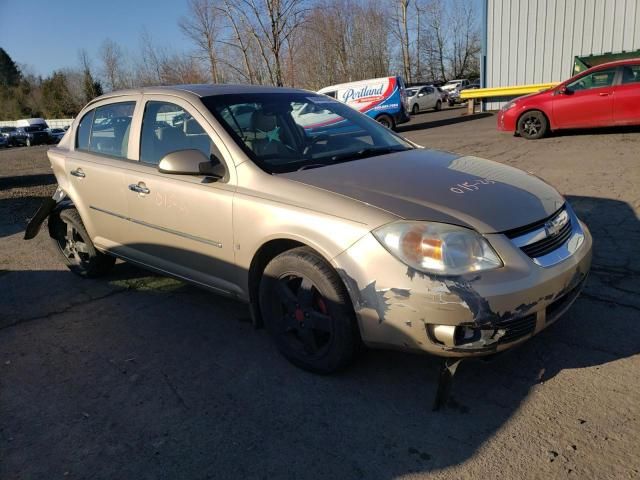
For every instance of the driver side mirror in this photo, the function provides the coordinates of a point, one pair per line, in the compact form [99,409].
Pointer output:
[191,162]
[564,90]
[421,94]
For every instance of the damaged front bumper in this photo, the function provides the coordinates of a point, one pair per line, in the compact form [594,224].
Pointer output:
[468,315]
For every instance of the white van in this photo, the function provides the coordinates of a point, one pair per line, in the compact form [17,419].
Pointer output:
[383,99]
[32,122]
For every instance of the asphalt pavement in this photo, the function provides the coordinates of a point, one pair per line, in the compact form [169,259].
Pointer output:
[138,376]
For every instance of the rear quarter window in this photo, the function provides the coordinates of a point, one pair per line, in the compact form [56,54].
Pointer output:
[84,130]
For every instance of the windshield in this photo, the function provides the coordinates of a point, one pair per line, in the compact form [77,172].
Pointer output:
[411,92]
[284,132]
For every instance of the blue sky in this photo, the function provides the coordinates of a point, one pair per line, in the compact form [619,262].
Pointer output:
[47,34]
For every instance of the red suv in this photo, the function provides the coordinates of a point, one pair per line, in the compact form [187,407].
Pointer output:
[605,95]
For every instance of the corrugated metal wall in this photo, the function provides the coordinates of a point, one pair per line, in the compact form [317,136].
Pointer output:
[535,41]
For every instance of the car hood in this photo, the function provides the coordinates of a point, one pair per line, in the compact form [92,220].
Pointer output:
[441,187]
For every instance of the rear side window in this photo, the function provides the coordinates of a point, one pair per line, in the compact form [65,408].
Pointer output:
[167,128]
[631,74]
[84,130]
[109,129]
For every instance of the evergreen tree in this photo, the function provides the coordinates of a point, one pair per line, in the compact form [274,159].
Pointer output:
[9,72]
[91,88]
[56,99]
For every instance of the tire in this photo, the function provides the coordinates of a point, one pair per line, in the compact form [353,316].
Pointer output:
[307,311]
[415,109]
[75,246]
[452,103]
[438,106]
[28,142]
[533,125]
[386,121]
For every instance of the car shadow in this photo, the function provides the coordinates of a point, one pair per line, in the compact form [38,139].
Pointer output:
[595,131]
[137,375]
[15,212]
[441,122]
[27,180]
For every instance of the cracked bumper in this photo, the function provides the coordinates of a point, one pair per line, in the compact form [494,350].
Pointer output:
[397,307]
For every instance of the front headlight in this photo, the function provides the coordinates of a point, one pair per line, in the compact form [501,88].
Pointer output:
[438,247]
[509,105]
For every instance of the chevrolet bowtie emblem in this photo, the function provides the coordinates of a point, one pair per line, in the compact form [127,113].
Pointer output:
[553,226]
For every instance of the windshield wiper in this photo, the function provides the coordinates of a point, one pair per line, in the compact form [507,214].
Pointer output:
[365,153]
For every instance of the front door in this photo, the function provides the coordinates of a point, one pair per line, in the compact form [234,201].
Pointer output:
[95,171]
[587,101]
[180,224]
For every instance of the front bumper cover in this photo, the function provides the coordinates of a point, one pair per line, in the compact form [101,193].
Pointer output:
[397,306]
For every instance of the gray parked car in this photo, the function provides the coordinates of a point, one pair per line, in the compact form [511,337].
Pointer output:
[334,229]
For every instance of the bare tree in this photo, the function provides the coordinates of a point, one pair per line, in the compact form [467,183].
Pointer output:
[401,21]
[435,45]
[465,41]
[113,68]
[273,23]
[240,41]
[203,28]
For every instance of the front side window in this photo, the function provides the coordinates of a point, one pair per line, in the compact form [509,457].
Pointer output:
[599,79]
[108,129]
[167,128]
[283,132]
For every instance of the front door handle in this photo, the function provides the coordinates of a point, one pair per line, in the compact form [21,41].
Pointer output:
[604,94]
[78,173]
[139,188]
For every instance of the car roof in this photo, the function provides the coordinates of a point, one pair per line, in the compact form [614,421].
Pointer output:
[616,63]
[200,90]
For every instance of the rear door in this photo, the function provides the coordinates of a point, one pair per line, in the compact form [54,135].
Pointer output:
[181,224]
[588,101]
[95,166]
[626,96]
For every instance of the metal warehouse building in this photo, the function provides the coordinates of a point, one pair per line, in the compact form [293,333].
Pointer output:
[540,41]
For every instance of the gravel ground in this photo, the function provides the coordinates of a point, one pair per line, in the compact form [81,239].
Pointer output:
[139,376]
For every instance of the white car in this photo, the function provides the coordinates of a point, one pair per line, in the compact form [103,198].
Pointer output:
[457,84]
[423,98]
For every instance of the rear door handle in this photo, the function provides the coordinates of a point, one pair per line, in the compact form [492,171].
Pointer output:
[139,188]
[603,94]
[78,173]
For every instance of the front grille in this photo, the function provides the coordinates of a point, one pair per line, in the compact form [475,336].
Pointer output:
[549,244]
[518,232]
[518,328]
